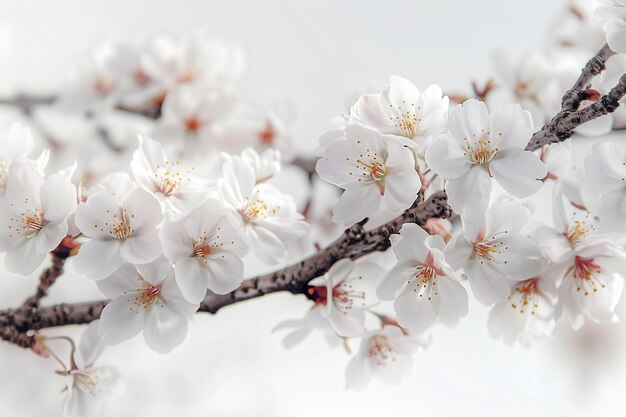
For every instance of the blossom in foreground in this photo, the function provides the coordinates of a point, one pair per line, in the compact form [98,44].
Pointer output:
[425,288]
[614,12]
[529,314]
[314,320]
[89,385]
[386,354]
[33,215]
[119,232]
[374,173]
[493,253]
[591,284]
[205,250]
[264,217]
[265,164]
[403,111]
[480,146]
[174,185]
[348,289]
[606,171]
[145,298]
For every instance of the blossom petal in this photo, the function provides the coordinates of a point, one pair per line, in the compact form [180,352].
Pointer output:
[518,171]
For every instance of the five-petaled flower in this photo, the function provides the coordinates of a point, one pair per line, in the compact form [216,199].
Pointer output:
[375,173]
[480,146]
[145,297]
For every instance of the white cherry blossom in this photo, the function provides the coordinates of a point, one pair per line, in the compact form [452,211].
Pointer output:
[89,385]
[15,144]
[119,231]
[205,250]
[529,314]
[386,354]
[33,215]
[425,288]
[480,146]
[266,165]
[591,284]
[614,12]
[403,111]
[348,290]
[265,217]
[145,298]
[171,182]
[375,173]
[573,228]
[493,253]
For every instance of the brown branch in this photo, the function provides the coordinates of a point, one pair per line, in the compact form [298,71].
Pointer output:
[16,325]
[562,126]
[47,278]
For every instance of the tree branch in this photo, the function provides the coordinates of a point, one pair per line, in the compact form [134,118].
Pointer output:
[355,242]
[562,126]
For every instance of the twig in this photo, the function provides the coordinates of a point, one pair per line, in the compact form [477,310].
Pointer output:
[354,243]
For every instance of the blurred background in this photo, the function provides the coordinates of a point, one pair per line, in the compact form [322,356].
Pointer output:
[318,55]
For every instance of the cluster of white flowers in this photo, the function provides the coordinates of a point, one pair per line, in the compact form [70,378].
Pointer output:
[395,144]
[157,237]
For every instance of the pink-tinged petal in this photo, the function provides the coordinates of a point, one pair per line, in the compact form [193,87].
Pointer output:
[469,194]
[453,301]
[58,198]
[164,329]
[226,272]
[142,210]
[447,158]
[511,126]
[356,204]
[518,171]
[97,259]
[141,247]
[121,320]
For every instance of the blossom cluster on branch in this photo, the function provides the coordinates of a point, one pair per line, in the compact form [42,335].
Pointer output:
[176,185]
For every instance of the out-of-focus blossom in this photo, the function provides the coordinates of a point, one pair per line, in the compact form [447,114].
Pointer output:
[314,320]
[614,12]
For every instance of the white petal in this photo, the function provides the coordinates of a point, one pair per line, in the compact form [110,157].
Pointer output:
[468,195]
[192,279]
[416,313]
[356,204]
[453,304]
[446,157]
[226,272]
[141,247]
[98,259]
[518,171]
[512,125]
[120,320]
[164,329]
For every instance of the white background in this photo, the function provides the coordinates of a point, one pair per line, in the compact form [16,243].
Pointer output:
[319,55]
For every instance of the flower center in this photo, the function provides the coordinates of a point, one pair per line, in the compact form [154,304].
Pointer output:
[344,297]
[202,251]
[121,230]
[407,121]
[587,275]
[483,249]
[256,210]
[169,178]
[379,350]
[578,231]
[192,124]
[148,295]
[525,296]
[480,152]
[267,135]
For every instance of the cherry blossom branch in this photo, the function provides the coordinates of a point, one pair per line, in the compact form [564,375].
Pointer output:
[562,126]
[17,326]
